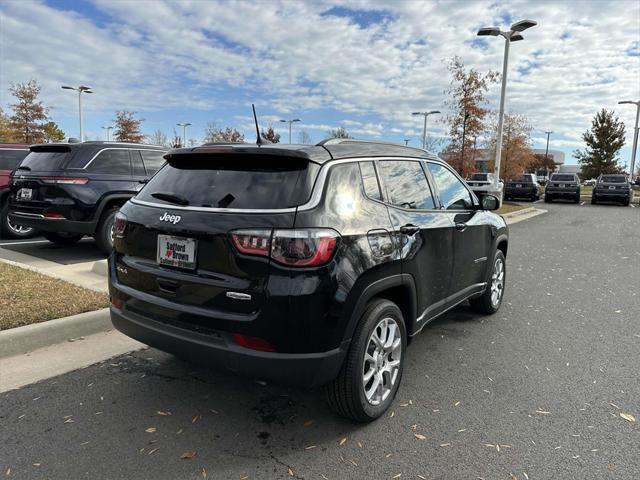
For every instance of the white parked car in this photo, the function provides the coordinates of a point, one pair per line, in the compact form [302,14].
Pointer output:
[482,183]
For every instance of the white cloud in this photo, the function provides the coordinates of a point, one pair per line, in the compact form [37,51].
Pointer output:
[163,55]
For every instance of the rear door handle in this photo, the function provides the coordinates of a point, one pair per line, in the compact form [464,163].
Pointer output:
[461,227]
[409,229]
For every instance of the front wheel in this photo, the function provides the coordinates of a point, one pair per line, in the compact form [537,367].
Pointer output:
[104,232]
[8,229]
[62,238]
[372,370]
[489,302]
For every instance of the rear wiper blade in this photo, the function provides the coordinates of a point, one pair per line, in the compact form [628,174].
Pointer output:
[171,198]
[24,168]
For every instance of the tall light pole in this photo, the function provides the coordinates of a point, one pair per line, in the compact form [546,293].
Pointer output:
[424,128]
[80,89]
[512,35]
[184,132]
[290,122]
[406,141]
[635,135]
[546,154]
[108,129]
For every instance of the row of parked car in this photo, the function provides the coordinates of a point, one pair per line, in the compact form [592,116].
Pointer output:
[566,186]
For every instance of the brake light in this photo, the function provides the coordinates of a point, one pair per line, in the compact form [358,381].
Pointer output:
[311,247]
[254,343]
[304,248]
[252,242]
[64,180]
[53,215]
[119,225]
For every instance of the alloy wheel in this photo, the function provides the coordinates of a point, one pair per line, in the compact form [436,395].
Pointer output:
[497,282]
[381,365]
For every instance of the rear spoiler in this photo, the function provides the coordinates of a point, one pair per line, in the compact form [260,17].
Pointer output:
[209,151]
[50,147]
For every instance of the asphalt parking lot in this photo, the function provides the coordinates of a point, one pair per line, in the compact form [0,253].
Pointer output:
[545,389]
[84,251]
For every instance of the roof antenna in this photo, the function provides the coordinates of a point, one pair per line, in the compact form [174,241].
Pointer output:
[259,139]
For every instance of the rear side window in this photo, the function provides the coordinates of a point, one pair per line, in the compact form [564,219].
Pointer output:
[483,177]
[235,181]
[370,180]
[111,161]
[406,184]
[136,163]
[453,194]
[153,160]
[10,159]
[563,178]
[46,161]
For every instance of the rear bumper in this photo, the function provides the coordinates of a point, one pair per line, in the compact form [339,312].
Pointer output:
[562,193]
[51,224]
[219,350]
[604,194]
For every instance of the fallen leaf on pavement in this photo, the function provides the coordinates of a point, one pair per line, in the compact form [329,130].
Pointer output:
[343,441]
[308,423]
[309,447]
[188,455]
[163,413]
[151,452]
[196,418]
[445,444]
[290,472]
[397,476]
[628,417]
[204,473]
[151,430]
[419,436]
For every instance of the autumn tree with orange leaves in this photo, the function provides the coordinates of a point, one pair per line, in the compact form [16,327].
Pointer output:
[467,90]
[517,155]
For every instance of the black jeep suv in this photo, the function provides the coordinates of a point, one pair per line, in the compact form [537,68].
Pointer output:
[612,188]
[74,189]
[311,265]
[562,185]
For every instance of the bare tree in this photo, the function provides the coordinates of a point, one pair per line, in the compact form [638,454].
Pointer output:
[158,137]
[270,135]
[304,138]
[215,134]
[339,132]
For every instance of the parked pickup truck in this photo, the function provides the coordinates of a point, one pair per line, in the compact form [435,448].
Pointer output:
[482,183]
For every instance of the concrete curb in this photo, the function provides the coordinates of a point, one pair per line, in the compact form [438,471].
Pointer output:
[100,267]
[524,214]
[16,341]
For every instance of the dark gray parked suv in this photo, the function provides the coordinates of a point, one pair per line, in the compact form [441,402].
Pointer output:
[563,185]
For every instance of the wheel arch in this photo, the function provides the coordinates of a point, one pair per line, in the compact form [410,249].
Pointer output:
[400,289]
[107,202]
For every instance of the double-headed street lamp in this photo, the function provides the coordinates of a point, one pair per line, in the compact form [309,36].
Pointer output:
[80,89]
[424,128]
[635,135]
[512,35]
[184,132]
[290,122]
[108,129]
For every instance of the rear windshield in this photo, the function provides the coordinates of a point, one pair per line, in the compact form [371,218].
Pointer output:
[233,182]
[526,179]
[479,176]
[10,159]
[563,178]
[46,161]
[613,179]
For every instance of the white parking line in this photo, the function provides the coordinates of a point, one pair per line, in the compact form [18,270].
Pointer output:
[632,205]
[582,203]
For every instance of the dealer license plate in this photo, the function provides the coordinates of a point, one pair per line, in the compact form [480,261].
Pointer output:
[25,194]
[177,251]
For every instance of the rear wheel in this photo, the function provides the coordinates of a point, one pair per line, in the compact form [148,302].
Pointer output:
[372,370]
[10,230]
[104,232]
[577,200]
[489,302]
[593,201]
[62,238]
[547,199]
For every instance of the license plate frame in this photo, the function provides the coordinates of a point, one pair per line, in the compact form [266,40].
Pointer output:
[612,187]
[25,194]
[518,185]
[171,250]
[562,185]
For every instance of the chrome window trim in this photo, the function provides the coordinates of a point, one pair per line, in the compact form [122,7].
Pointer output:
[313,202]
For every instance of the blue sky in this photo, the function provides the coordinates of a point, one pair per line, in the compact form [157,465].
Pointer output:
[363,65]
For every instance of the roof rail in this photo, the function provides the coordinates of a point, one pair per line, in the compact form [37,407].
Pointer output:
[340,141]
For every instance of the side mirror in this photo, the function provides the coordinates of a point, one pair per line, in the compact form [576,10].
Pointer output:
[489,202]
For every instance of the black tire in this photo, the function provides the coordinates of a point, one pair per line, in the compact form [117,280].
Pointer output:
[7,230]
[62,238]
[103,233]
[547,199]
[485,303]
[346,394]
[577,200]
[593,201]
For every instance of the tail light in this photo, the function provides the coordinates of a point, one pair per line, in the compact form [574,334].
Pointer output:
[58,216]
[119,225]
[64,180]
[254,343]
[311,247]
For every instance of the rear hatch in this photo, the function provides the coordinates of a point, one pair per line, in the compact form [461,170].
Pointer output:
[176,243]
[613,183]
[39,182]
[564,181]
[524,182]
